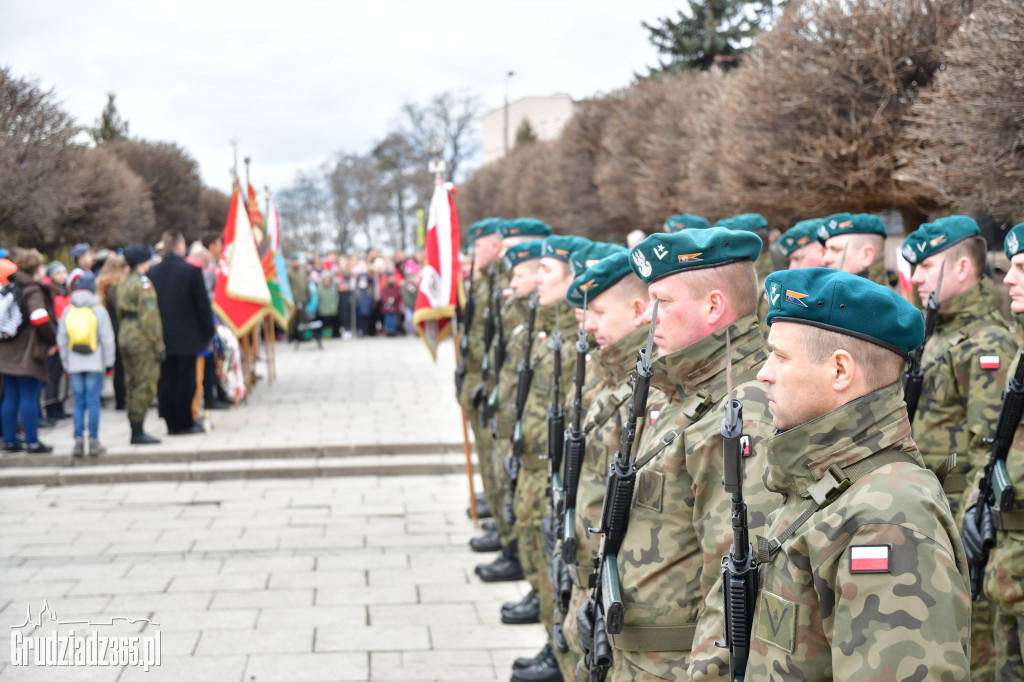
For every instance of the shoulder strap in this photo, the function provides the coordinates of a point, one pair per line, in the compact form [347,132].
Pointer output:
[824,492]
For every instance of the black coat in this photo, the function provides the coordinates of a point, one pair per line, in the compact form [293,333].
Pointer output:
[184,306]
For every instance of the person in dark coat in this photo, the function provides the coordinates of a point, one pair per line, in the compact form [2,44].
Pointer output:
[188,327]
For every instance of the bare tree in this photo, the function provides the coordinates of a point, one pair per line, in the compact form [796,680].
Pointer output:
[402,171]
[213,209]
[172,177]
[306,211]
[38,185]
[967,131]
[451,116]
[814,121]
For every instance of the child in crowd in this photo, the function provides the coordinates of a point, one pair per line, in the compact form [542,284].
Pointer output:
[87,351]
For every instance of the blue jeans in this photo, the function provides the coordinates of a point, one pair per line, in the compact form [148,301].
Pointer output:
[21,398]
[86,387]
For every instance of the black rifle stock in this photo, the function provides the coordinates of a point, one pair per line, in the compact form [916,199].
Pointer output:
[739,570]
[467,325]
[996,493]
[606,592]
[556,419]
[513,461]
[497,350]
[914,378]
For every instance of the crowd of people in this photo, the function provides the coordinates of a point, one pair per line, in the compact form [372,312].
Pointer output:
[683,431]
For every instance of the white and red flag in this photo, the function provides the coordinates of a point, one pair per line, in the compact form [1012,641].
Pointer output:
[241,291]
[439,284]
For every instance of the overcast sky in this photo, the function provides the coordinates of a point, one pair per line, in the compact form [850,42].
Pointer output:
[297,82]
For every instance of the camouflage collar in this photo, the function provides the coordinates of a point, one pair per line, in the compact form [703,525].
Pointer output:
[617,361]
[974,304]
[566,319]
[688,370]
[876,273]
[872,423]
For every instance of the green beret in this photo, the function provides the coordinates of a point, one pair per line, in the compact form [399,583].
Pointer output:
[581,259]
[661,255]
[800,235]
[686,221]
[598,278]
[520,253]
[561,246]
[525,227]
[931,238]
[844,303]
[844,223]
[1014,243]
[751,222]
[482,228]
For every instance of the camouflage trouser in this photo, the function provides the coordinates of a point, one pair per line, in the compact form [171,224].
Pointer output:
[499,491]
[1009,645]
[141,372]
[983,651]
[576,667]
[623,670]
[531,503]
[482,439]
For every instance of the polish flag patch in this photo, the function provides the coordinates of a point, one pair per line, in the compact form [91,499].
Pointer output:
[654,416]
[988,362]
[869,558]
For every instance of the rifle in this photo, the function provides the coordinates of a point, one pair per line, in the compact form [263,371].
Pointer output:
[556,419]
[513,461]
[739,570]
[487,364]
[606,594]
[498,354]
[467,324]
[575,446]
[914,377]
[996,493]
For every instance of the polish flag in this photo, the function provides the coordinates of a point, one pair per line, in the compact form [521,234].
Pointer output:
[989,362]
[439,278]
[869,559]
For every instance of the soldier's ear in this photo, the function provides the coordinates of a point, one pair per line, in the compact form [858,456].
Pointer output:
[844,371]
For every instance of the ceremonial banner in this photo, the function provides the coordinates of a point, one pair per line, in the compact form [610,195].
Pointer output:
[439,286]
[241,292]
[282,304]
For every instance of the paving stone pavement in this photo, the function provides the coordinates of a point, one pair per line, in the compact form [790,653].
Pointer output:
[261,580]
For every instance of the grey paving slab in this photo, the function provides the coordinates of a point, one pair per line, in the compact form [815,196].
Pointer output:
[322,667]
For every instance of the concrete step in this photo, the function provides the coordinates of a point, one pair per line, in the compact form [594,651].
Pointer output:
[106,470]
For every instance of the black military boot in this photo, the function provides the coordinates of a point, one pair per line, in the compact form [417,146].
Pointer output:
[545,669]
[525,611]
[488,526]
[526,662]
[483,510]
[505,567]
[140,437]
[488,542]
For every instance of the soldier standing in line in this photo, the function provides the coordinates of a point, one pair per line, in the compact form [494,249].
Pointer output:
[755,222]
[679,525]
[800,245]
[140,339]
[615,303]
[964,366]
[1004,574]
[513,311]
[864,576]
[856,244]
[522,261]
[531,501]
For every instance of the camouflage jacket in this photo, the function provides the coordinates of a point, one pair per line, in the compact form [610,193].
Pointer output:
[874,585]
[535,414]
[607,411]
[961,394]
[878,274]
[475,349]
[1004,573]
[679,525]
[515,314]
[139,326]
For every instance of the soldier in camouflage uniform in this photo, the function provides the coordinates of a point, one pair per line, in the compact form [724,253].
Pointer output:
[531,502]
[864,577]
[485,236]
[679,528]
[755,222]
[616,301]
[1004,573]
[964,366]
[856,244]
[140,338]
[800,246]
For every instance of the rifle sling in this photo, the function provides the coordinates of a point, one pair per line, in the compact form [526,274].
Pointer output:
[666,440]
[824,492]
[655,637]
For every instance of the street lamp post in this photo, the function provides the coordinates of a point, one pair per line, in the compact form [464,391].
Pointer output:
[508,77]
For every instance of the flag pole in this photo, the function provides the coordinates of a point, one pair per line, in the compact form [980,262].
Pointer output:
[465,429]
